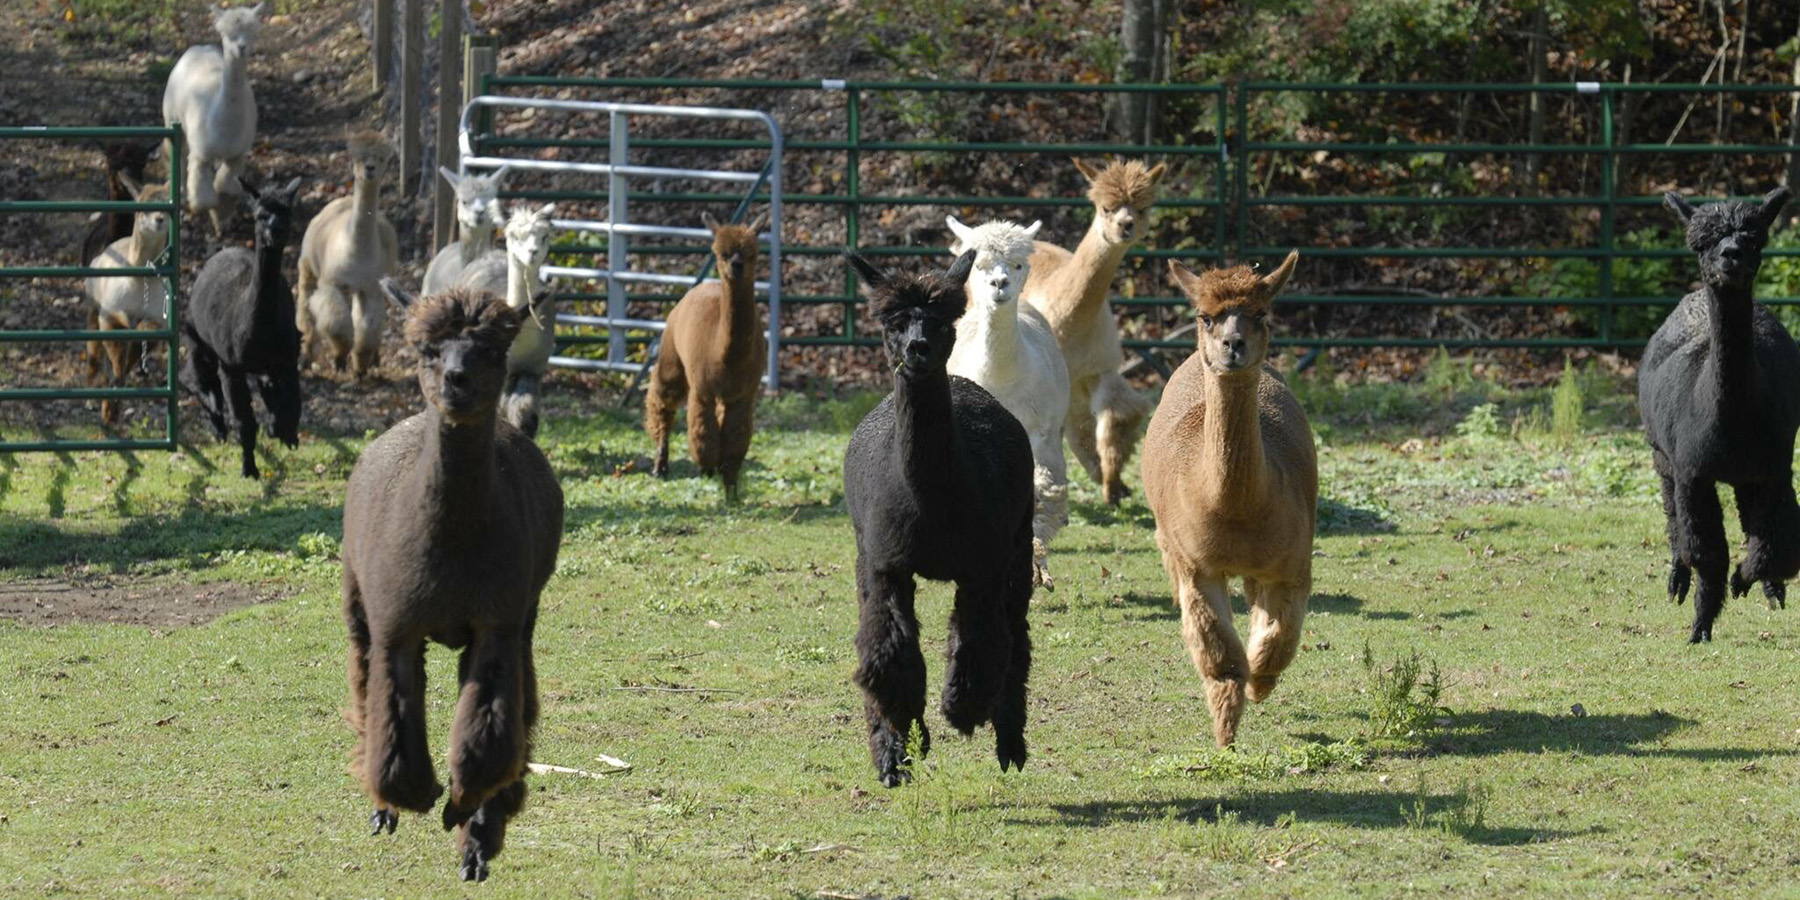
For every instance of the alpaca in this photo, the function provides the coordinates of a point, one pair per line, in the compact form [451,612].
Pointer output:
[713,350]
[210,97]
[125,164]
[514,274]
[1716,392]
[128,302]
[241,324]
[1230,475]
[938,482]
[1009,350]
[478,213]
[1070,290]
[452,520]
[347,249]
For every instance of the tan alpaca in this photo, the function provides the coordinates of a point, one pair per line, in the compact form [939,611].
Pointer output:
[1230,475]
[1070,289]
[349,246]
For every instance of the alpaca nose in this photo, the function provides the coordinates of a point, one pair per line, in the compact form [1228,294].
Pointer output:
[1002,282]
[1235,346]
[917,348]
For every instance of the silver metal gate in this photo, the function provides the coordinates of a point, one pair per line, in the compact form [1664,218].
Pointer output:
[618,226]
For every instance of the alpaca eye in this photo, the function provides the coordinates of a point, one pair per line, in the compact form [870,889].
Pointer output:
[1207,321]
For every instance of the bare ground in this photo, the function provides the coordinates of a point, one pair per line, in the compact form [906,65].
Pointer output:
[47,602]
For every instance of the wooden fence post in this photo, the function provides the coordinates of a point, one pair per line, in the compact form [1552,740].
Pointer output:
[412,57]
[384,42]
[449,110]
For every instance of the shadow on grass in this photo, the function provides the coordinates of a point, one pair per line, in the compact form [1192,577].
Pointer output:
[1341,518]
[1498,731]
[1128,513]
[1269,808]
[191,536]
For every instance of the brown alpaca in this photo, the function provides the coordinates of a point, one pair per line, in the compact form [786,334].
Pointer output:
[1070,289]
[451,525]
[713,353]
[1230,475]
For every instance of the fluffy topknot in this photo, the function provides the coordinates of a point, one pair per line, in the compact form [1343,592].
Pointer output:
[366,146]
[937,294]
[999,238]
[526,221]
[1216,291]
[1122,183]
[479,316]
[241,22]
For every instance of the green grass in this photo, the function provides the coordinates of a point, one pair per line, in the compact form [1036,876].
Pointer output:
[1522,568]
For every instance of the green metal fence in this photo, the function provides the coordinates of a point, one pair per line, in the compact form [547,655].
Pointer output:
[167,267]
[1245,132]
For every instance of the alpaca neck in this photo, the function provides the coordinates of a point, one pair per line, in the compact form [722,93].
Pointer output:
[1083,282]
[456,471]
[1730,311]
[268,273]
[737,317]
[366,206]
[145,247]
[475,242]
[993,329]
[926,431]
[1231,441]
[234,87]
[523,287]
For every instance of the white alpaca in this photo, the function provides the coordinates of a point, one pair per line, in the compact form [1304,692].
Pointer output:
[513,273]
[478,213]
[121,303]
[1008,348]
[348,247]
[209,96]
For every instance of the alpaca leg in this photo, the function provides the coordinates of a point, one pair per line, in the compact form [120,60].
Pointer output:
[1276,614]
[890,670]
[281,399]
[483,837]
[1680,577]
[1079,429]
[201,196]
[1214,646]
[1704,547]
[116,368]
[226,190]
[200,375]
[488,743]
[357,671]
[1119,415]
[1009,711]
[396,758]
[238,395]
[978,651]
[519,402]
[735,430]
[1772,546]
[366,319]
[1050,487]
[703,432]
[668,387]
[96,350]
[303,319]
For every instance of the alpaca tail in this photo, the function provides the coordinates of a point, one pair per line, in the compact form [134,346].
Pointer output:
[1113,395]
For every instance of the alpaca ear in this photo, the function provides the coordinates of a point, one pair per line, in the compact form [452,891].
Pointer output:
[958,274]
[962,234]
[292,188]
[1156,173]
[545,210]
[1032,229]
[1087,171]
[248,188]
[498,174]
[1276,280]
[760,222]
[396,293]
[865,270]
[132,186]
[1185,279]
[1675,202]
[454,179]
[257,10]
[711,223]
[1772,204]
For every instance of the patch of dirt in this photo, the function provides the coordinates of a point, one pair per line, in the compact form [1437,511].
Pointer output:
[50,602]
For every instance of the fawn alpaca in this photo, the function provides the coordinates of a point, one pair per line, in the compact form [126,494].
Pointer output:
[712,356]
[1717,391]
[938,481]
[1230,475]
[452,521]
[348,248]
[127,302]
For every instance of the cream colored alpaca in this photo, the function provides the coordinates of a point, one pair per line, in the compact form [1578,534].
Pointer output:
[1007,348]
[478,213]
[513,273]
[125,303]
[348,248]
[1229,473]
[209,96]
[1070,289]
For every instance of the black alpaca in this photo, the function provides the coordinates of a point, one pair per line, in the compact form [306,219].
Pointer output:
[241,324]
[938,482]
[1719,391]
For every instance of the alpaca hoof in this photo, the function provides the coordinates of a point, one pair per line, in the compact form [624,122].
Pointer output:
[1011,751]
[660,466]
[1040,566]
[1700,635]
[1680,577]
[474,865]
[383,820]
[1739,584]
[1257,689]
[1775,592]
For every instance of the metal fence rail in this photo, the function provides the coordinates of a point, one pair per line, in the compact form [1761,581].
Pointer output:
[1242,137]
[167,267]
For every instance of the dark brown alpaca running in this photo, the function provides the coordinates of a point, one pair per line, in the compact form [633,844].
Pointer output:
[713,352]
[451,527]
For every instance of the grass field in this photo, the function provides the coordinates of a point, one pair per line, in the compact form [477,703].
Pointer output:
[1570,743]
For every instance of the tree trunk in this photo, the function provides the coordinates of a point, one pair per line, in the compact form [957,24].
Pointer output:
[1793,172]
[1540,67]
[1144,40]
